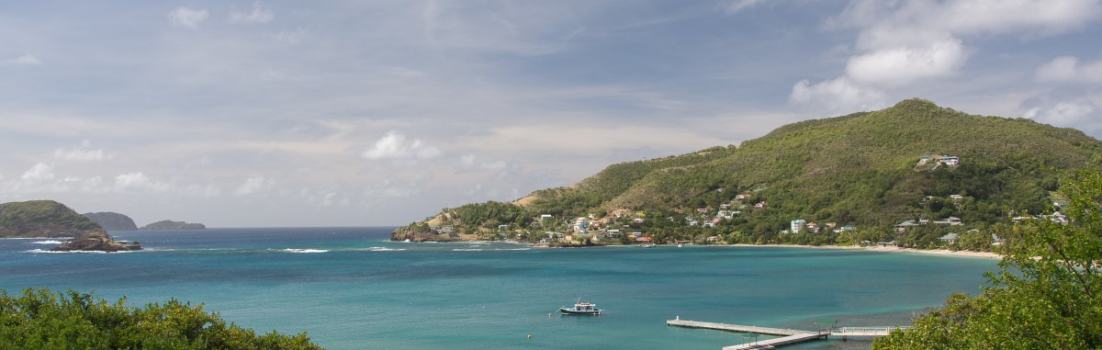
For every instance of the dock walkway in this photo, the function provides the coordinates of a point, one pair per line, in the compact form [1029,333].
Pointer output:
[734,327]
[786,336]
[775,342]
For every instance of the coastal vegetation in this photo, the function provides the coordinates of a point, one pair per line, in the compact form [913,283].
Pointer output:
[1047,294]
[41,319]
[856,179]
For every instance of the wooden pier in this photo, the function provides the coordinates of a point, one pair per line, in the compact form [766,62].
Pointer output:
[733,327]
[786,336]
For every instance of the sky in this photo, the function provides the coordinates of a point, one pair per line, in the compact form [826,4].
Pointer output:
[352,113]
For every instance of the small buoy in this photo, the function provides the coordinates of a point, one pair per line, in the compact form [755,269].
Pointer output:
[529,336]
[677,317]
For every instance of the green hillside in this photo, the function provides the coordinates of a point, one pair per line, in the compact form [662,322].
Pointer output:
[42,218]
[860,170]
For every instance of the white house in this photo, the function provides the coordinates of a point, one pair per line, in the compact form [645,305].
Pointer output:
[797,225]
[581,224]
[949,161]
[950,238]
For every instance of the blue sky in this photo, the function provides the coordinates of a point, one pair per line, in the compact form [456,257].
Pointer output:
[276,113]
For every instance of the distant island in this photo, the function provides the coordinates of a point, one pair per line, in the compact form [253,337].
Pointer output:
[46,218]
[174,225]
[915,175]
[112,221]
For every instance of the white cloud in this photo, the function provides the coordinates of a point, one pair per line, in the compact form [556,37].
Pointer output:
[1072,113]
[836,95]
[25,59]
[1068,69]
[187,17]
[897,66]
[258,14]
[82,153]
[39,172]
[395,146]
[903,42]
[738,5]
[139,181]
[252,185]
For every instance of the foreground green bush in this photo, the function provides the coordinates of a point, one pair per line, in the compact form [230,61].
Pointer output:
[41,319]
[1048,294]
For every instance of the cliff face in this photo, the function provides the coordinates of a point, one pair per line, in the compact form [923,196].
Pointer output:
[43,218]
[112,221]
[174,225]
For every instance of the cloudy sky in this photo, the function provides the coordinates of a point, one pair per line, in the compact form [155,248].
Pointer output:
[336,113]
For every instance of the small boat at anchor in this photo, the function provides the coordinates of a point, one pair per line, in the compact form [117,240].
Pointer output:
[581,308]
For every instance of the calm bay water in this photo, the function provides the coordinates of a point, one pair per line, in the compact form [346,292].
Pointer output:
[351,289]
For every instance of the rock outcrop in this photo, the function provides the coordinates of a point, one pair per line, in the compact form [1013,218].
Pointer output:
[96,241]
[112,221]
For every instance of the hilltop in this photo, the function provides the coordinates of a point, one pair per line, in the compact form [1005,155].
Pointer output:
[851,177]
[43,218]
[112,221]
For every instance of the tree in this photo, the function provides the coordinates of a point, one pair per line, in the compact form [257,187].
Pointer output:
[1047,294]
[40,319]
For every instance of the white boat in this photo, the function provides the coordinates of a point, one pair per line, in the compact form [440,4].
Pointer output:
[581,308]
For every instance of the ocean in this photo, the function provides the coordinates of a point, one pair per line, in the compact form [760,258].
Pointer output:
[351,288]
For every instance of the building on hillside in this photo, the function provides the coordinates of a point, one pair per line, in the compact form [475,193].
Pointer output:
[907,224]
[812,227]
[546,217]
[996,240]
[581,224]
[712,239]
[797,225]
[761,205]
[949,161]
[503,227]
[950,238]
[644,239]
[1058,218]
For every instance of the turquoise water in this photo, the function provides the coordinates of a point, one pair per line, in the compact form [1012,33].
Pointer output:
[351,289]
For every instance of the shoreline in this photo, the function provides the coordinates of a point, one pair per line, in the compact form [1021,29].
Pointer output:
[934,252]
[938,252]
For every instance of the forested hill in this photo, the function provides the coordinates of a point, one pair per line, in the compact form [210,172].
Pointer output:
[43,218]
[864,169]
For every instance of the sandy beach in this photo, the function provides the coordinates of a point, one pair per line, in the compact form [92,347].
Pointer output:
[941,252]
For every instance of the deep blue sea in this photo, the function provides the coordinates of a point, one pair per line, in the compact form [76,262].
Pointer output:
[350,288]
